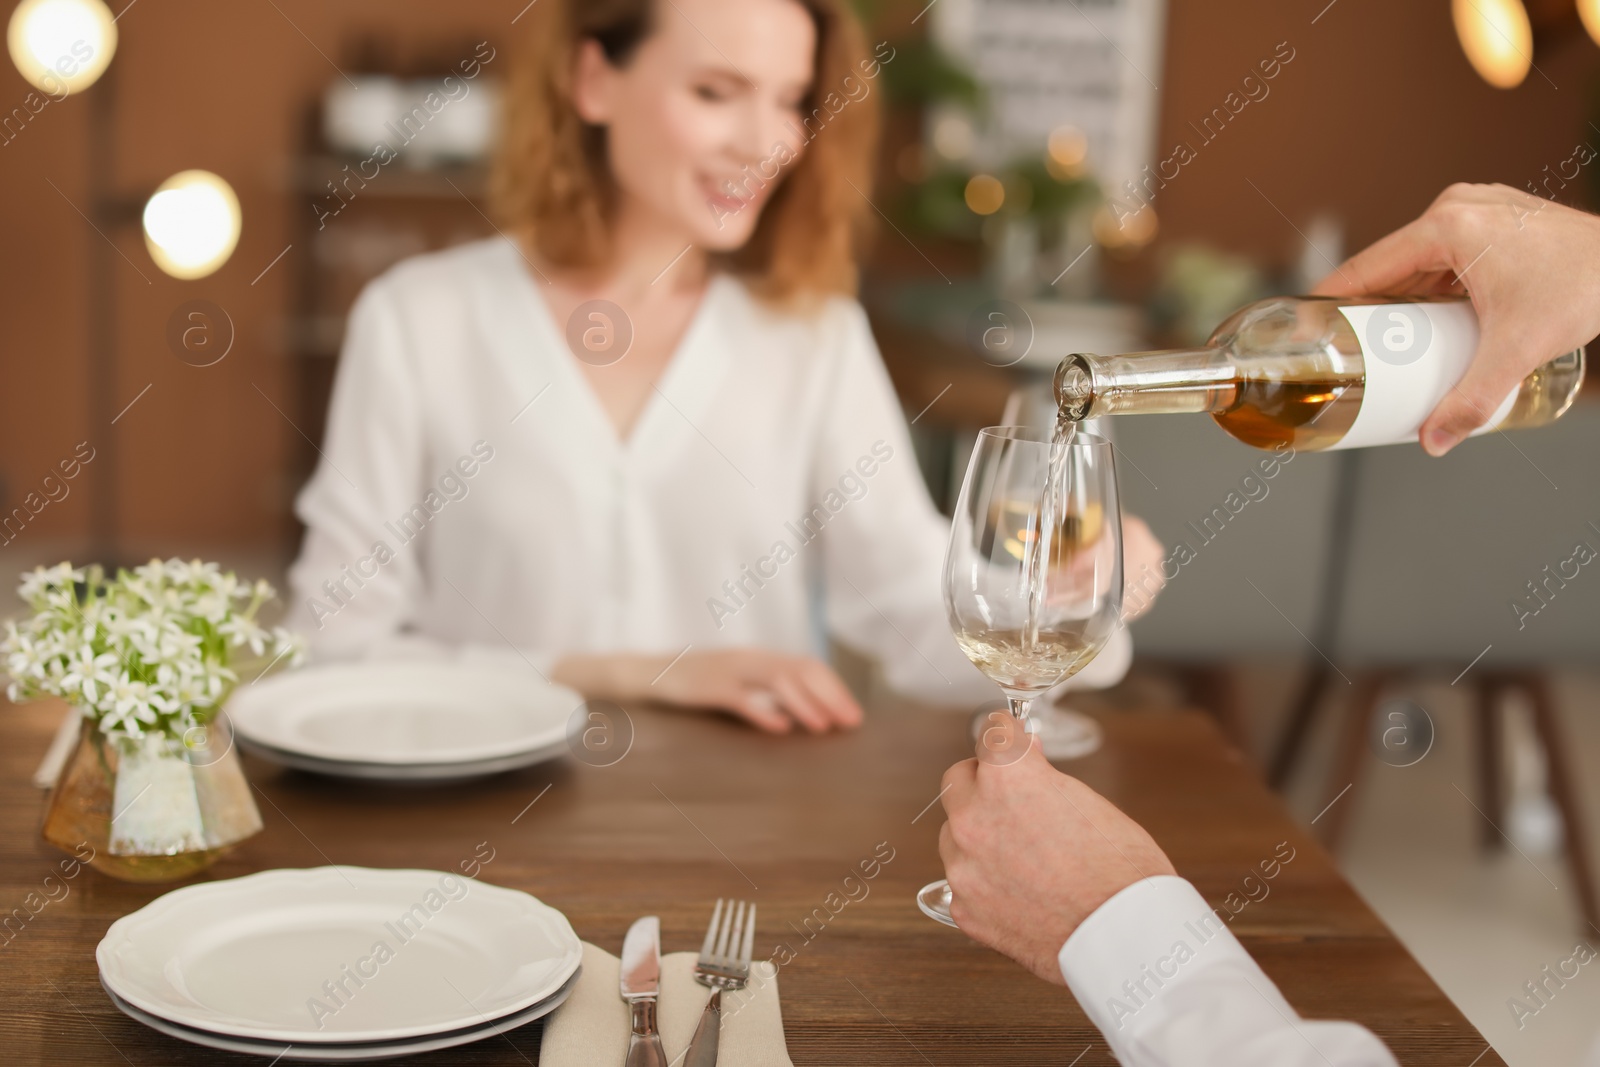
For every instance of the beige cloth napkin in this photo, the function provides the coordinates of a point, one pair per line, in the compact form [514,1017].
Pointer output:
[592,1027]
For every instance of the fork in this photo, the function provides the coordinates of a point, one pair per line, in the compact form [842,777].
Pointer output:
[724,963]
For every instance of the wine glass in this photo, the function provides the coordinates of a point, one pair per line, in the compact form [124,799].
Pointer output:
[1033,577]
[1062,732]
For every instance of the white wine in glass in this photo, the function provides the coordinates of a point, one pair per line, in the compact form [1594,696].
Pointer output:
[1033,574]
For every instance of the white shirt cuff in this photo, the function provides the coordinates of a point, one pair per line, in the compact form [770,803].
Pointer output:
[1155,934]
[1160,974]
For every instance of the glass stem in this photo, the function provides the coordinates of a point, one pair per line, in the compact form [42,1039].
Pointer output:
[1020,706]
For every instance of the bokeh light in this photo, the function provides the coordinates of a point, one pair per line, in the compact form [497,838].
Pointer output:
[1122,231]
[985,194]
[61,46]
[1066,153]
[1497,37]
[1589,11]
[191,224]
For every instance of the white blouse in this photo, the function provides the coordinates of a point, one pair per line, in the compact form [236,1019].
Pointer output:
[473,497]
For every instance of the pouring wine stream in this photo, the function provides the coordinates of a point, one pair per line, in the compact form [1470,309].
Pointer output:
[1037,550]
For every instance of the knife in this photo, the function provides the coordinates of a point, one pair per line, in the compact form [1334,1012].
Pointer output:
[641,982]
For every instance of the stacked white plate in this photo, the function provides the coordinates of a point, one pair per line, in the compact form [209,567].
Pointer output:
[339,963]
[407,722]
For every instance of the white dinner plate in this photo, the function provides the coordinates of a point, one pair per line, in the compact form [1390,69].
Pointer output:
[349,1052]
[386,954]
[419,773]
[402,714]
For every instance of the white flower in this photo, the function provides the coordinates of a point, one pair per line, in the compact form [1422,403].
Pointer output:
[288,644]
[39,581]
[241,630]
[190,692]
[178,645]
[213,606]
[129,696]
[87,673]
[24,656]
[140,652]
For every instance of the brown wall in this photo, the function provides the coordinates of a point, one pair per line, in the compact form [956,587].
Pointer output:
[199,84]
[1376,113]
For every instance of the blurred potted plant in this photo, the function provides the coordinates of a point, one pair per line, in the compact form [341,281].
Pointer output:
[1199,286]
[1029,212]
[154,788]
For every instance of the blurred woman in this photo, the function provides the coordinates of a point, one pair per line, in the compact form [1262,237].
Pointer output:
[642,442]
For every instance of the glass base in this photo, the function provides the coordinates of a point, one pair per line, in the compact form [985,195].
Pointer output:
[1065,734]
[934,900]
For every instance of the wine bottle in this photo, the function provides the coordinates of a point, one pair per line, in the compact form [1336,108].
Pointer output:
[1317,373]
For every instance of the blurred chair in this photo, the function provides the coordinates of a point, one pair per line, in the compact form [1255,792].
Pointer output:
[1437,553]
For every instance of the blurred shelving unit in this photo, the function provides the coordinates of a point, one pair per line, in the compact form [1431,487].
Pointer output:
[354,228]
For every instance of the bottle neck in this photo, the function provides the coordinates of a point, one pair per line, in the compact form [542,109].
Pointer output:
[1167,382]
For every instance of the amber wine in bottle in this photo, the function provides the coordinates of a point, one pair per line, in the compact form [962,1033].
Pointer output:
[1317,373]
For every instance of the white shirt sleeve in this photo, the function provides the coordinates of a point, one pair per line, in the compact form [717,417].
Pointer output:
[884,555]
[349,602]
[1166,982]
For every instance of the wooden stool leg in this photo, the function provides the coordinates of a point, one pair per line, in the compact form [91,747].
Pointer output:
[1491,760]
[1563,790]
[1334,820]
[1301,715]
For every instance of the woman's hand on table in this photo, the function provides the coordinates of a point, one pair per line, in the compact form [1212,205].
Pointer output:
[772,691]
[1031,853]
[1531,266]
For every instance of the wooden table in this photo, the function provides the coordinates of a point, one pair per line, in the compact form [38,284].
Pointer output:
[701,807]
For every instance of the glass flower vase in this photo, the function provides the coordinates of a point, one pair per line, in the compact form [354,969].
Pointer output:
[154,808]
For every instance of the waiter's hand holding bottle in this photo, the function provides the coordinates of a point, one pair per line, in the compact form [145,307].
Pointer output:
[1531,267]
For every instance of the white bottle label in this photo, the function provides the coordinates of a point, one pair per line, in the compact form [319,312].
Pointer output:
[1414,354]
